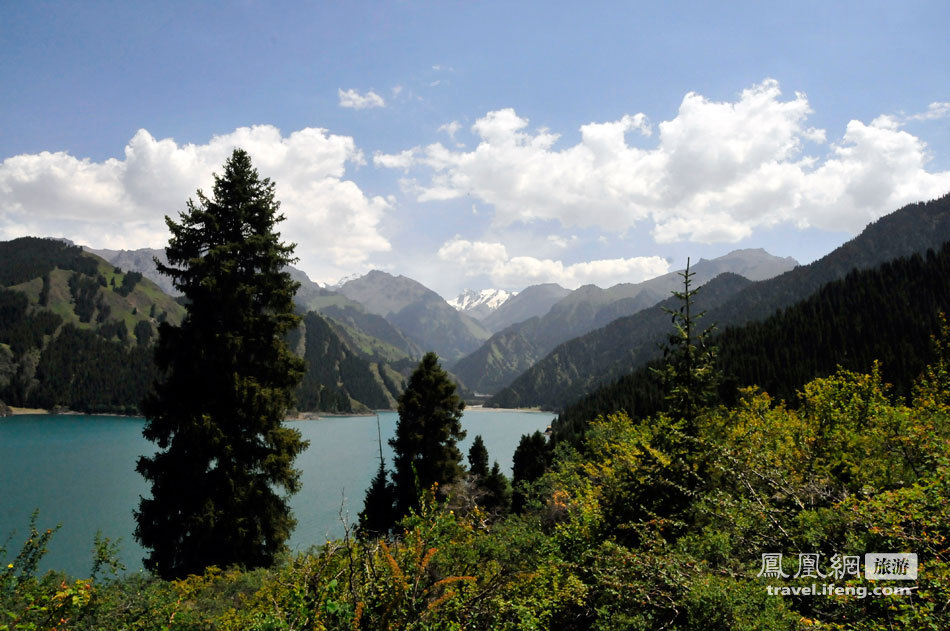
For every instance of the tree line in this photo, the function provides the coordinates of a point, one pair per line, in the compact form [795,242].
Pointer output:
[886,313]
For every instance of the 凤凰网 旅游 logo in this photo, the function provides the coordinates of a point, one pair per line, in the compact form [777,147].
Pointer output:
[878,566]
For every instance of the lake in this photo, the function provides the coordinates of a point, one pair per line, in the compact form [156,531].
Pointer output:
[80,471]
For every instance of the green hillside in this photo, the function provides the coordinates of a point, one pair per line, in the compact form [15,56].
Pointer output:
[887,313]
[347,370]
[337,379]
[577,367]
[75,332]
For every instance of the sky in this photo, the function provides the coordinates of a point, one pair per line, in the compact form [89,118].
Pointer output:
[479,144]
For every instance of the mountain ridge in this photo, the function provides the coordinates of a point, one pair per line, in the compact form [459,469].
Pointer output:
[492,367]
[911,229]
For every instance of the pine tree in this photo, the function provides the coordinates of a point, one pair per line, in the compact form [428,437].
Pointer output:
[378,514]
[428,429]
[225,460]
[528,464]
[378,517]
[497,489]
[478,458]
[689,375]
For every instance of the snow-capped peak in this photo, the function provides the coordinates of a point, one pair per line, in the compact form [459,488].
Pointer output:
[480,302]
[344,280]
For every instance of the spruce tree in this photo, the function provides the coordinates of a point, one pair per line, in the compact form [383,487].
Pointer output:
[529,462]
[378,514]
[689,376]
[497,489]
[427,432]
[478,458]
[377,517]
[225,461]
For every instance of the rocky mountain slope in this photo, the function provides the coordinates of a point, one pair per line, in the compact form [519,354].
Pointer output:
[579,366]
[514,350]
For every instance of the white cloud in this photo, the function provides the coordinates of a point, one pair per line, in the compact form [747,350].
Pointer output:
[121,203]
[934,111]
[475,258]
[451,128]
[401,160]
[354,100]
[718,171]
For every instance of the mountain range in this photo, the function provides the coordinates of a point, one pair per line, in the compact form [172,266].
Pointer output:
[512,351]
[580,365]
[544,346]
[883,318]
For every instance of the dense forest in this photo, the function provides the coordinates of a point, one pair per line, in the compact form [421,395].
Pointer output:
[336,379]
[578,367]
[887,313]
[75,332]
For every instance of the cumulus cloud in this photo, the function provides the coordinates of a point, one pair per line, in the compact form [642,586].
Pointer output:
[478,257]
[475,257]
[718,171]
[120,203]
[354,100]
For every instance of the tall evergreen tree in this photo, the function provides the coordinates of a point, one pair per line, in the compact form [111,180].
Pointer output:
[478,458]
[689,375]
[225,461]
[428,429]
[378,514]
[497,487]
[529,462]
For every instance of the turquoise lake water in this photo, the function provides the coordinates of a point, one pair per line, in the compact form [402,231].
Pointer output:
[79,471]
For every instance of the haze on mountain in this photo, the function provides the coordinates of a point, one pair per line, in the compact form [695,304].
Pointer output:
[884,318]
[582,364]
[423,315]
[512,351]
[533,301]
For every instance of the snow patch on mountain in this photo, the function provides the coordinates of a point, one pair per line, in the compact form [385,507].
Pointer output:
[478,303]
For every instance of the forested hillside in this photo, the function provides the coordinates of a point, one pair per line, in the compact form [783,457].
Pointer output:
[338,379]
[509,353]
[887,313]
[579,366]
[75,332]
[576,367]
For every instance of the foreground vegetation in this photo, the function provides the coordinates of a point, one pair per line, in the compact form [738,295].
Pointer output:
[648,525]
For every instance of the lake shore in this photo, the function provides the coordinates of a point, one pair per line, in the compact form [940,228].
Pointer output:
[20,411]
[301,416]
[484,409]
[316,416]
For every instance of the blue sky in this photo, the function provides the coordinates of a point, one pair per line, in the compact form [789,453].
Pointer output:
[488,144]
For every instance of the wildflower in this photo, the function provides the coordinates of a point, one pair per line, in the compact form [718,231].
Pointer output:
[9,566]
